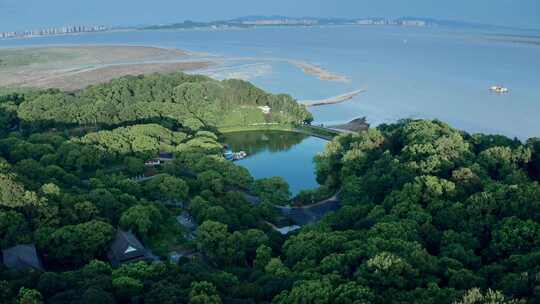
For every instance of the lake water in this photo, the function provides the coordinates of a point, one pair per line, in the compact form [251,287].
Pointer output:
[272,153]
[408,72]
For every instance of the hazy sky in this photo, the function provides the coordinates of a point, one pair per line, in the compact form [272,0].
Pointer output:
[29,14]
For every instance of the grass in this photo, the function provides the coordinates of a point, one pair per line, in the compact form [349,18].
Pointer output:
[23,57]
[243,116]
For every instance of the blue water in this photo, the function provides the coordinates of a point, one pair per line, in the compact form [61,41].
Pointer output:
[409,72]
[273,153]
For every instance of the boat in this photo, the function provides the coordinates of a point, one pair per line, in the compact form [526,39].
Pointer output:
[229,155]
[239,155]
[234,156]
[498,89]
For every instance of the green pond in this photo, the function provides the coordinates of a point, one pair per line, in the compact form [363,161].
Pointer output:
[276,153]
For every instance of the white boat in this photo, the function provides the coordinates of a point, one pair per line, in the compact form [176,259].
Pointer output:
[239,155]
[498,89]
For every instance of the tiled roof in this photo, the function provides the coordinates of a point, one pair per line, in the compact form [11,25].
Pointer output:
[22,257]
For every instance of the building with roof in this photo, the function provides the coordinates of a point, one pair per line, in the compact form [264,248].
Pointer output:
[126,248]
[22,257]
[265,109]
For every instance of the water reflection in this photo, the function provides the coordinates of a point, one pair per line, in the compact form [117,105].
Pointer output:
[275,153]
[257,141]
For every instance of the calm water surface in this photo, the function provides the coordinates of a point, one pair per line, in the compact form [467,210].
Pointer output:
[285,154]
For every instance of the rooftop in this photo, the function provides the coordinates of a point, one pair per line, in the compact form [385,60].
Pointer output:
[126,247]
[22,257]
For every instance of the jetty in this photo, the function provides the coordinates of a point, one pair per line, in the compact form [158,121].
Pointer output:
[332,100]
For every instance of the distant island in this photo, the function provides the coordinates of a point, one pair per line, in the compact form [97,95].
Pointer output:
[257,22]
[283,21]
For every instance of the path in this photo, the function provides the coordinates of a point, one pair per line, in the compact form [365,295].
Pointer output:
[307,214]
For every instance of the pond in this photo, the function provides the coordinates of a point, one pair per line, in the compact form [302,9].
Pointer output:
[276,153]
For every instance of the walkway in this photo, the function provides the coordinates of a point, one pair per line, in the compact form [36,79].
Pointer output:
[307,214]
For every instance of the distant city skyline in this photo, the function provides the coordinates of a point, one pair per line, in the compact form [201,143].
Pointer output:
[19,15]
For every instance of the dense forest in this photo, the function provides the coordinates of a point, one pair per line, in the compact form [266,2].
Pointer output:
[429,214]
[193,101]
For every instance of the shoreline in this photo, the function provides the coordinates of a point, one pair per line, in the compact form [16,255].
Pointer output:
[73,67]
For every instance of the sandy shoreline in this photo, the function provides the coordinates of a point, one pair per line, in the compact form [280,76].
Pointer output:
[75,67]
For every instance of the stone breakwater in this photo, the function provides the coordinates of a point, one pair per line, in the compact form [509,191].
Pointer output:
[332,100]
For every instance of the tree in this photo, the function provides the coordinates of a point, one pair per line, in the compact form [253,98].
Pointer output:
[515,236]
[200,101]
[14,195]
[50,189]
[276,268]
[126,288]
[167,188]
[14,229]
[274,190]
[143,219]
[7,292]
[211,180]
[77,244]
[29,296]
[475,296]
[212,240]
[94,295]
[203,293]
[308,292]
[534,164]
[134,166]
[263,257]
[164,293]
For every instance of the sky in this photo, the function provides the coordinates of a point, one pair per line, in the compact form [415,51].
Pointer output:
[34,14]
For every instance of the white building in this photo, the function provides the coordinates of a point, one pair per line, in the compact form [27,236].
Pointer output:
[265,109]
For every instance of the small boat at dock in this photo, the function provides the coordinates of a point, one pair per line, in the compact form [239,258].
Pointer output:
[234,156]
[239,155]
